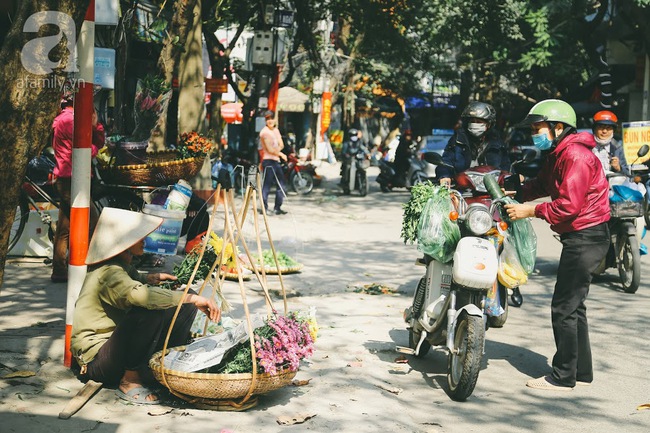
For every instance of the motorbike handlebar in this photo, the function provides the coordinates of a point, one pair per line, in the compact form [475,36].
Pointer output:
[492,186]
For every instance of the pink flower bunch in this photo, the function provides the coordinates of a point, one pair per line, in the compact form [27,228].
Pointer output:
[288,342]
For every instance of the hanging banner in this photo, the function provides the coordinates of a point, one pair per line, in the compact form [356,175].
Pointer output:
[635,135]
[326,113]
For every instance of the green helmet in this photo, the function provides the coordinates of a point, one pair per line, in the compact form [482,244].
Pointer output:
[551,110]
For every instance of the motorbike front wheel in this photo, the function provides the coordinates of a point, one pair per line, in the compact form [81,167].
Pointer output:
[20,219]
[302,182]
[629,262]
[465,363]
[362,183]
[416,310]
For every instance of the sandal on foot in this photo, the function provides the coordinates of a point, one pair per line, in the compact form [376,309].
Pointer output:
[137,395]
[547,383]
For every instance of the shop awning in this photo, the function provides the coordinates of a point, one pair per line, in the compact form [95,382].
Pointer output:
[231,112]
[292,100]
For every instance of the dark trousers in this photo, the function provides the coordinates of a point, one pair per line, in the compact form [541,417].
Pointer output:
[62,234]
[582,251]
[273,175]
[136,338]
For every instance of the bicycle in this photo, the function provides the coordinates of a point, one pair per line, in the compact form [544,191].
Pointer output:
[40,189]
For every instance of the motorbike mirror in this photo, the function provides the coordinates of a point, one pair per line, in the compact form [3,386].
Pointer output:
[643,151]
[528,155]
[433,158]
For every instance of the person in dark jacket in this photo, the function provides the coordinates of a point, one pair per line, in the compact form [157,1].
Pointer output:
[403,153]
[579,210]
[476,142]
[608,150]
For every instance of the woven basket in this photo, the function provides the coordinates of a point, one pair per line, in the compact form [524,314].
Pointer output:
[274,270]
[217,386]
[161,169]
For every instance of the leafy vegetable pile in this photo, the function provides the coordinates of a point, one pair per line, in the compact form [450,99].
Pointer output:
[420,194]
[283,260]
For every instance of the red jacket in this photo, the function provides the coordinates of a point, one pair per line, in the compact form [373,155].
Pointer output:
[63,127]
[573,177]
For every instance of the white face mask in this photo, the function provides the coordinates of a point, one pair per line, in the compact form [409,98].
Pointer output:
[601,141]
[477,129]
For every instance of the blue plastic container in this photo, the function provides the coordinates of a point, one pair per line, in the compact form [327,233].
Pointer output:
[164,240]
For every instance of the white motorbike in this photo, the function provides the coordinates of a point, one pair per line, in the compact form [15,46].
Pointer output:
[448,309]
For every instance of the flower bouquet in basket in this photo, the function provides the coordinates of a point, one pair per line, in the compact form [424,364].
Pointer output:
[192,145]
[151,96]
[280,344]
[183,271]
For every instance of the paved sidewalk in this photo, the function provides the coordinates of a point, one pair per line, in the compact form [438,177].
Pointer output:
[356,383]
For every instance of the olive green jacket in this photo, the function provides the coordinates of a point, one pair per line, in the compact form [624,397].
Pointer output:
[108,293]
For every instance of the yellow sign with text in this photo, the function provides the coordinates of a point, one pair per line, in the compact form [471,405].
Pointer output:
[635,135]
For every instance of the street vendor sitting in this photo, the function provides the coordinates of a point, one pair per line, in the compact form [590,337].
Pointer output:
[121,318]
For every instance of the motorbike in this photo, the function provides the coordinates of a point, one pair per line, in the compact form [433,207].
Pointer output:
[353,176]
[641,175]
[624,253]
[301,176]
[448,306]
[418,171]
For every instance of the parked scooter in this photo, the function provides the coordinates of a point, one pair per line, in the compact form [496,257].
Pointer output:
[353,174]
[419,171]
[301,176]
[448,306]
[624,253]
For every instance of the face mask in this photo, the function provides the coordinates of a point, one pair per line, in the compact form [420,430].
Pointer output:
[477,129]
[541,141]
[602,142]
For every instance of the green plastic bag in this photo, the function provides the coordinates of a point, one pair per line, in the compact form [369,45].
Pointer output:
[437,234]
[521,232]
[523,237]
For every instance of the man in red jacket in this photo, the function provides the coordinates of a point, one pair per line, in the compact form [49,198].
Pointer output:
[579,210]
[63,130]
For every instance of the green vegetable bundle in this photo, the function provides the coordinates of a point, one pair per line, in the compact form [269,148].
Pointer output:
[420,195]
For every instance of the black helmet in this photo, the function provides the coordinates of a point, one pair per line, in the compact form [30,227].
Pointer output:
[353,134]
[480,110]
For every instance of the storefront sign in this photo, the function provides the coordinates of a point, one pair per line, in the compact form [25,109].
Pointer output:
[635,135]
[326,112]
[216,85]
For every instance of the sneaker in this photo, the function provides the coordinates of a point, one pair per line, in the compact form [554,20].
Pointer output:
[547,383]
[581,383]
[280,212]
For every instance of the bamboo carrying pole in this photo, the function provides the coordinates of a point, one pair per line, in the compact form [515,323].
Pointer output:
[250,198]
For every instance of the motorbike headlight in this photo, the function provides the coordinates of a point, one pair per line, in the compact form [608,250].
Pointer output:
[478,219]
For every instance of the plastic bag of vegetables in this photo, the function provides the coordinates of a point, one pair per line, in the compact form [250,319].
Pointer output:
[437,235]
[521,231]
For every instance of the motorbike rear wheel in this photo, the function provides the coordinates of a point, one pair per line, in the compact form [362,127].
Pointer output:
[302,182]
[465,365]
[416,310]
[629,262]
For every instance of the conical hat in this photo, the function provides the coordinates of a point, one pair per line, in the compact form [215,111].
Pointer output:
[117,230]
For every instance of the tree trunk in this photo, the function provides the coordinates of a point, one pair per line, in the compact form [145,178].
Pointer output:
[29,101]
[168,62]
